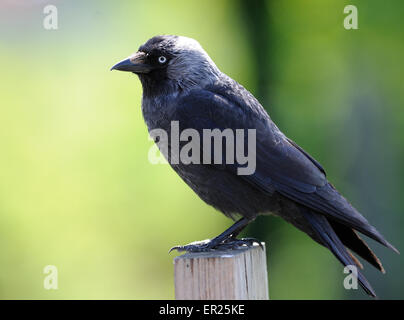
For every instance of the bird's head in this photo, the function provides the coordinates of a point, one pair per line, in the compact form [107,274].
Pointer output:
[168,62]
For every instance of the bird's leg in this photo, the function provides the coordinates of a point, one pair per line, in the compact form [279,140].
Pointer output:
[225,240]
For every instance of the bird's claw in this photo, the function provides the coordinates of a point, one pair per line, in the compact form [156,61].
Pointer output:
[196,246]
[208,245]
[233,243]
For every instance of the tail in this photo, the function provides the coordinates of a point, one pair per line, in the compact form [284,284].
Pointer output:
[327,235]
[328,201]
[352,240]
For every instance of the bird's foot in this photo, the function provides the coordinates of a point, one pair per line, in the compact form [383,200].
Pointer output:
[211,245]
[233,243]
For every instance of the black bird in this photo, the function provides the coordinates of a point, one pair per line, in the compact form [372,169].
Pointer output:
[181,83]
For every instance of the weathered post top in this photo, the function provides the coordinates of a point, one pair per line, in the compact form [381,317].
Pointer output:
[237,274]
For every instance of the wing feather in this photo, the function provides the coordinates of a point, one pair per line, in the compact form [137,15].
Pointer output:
[280,162]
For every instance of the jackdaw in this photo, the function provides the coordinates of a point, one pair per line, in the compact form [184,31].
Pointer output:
[181,83]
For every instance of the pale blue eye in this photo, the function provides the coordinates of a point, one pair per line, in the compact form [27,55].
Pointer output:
[162,59]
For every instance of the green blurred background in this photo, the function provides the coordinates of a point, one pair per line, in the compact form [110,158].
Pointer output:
[77,190]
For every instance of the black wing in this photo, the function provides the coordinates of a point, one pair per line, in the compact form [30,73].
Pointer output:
[280,163]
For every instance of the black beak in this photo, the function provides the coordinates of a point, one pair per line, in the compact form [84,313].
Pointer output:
[136,63]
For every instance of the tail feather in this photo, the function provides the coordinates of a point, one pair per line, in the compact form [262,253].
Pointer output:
[328,201]
[329,238]
[352,240]
[355,259]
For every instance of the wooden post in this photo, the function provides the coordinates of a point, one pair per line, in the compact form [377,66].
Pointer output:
[238,274]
